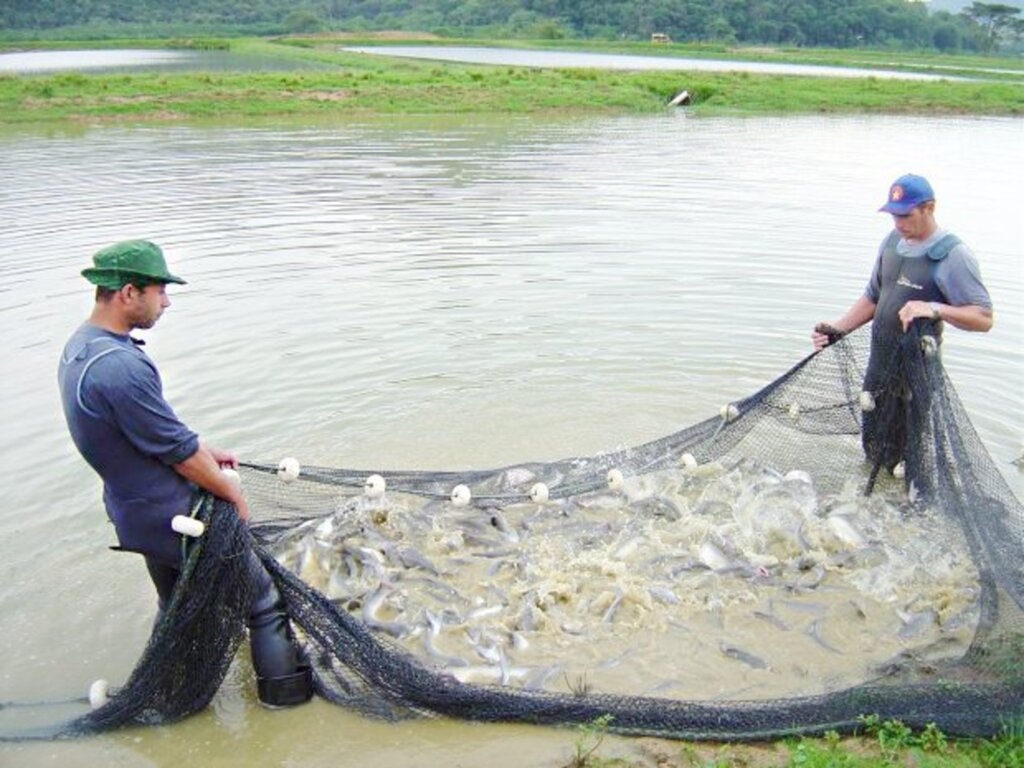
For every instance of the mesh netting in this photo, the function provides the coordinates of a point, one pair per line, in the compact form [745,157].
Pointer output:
[902,574]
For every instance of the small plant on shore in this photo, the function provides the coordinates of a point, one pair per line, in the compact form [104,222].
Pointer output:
[1006,751]
[590,737]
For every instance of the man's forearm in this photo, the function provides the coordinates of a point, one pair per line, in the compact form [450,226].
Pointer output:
[202,469]
[970,317]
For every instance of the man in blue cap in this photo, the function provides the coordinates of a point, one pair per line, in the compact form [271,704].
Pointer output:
[151,463]
[921,271]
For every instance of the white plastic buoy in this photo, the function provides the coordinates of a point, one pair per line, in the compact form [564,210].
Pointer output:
[187,526]
[289,469]
[794,411]
[232,475]
[99,693]
[615,479]
[539,493]
[867,401]
[929,346]
[461,495]
[729,411]
[375,486]
[899,471]
[688,461]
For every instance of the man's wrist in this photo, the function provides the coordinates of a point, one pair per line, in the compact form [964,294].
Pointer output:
[936,309]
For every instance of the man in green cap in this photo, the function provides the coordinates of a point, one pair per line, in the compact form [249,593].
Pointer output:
[151,463]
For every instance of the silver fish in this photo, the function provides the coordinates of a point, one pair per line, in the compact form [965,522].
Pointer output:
[740,655]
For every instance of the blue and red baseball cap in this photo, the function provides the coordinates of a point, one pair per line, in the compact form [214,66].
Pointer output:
[906,193]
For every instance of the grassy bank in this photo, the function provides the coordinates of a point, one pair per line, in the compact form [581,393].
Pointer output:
[881,745]
[355,84]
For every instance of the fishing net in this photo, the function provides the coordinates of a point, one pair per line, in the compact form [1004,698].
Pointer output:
[812,555]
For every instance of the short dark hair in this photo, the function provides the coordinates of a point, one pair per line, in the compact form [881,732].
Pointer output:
[106,294]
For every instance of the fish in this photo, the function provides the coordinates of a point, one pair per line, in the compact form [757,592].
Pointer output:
[434,624]
[489,674]
[772,619]
[740,655]
[373,604]
[713,557]
[916,623]
[413,558]
[846,532]
[813,631]
[654,506]
[663,595]
[609,614]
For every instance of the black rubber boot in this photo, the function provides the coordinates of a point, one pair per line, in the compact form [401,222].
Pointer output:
[283,678]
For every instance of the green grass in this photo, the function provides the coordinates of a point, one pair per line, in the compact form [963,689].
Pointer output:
[357,84]
[888,744]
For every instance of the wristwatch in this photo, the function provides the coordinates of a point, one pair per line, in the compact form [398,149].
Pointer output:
[936,314]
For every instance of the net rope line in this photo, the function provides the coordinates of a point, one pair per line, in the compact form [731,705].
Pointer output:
[975,694]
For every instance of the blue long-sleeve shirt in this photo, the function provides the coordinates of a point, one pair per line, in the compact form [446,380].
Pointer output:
[125,429]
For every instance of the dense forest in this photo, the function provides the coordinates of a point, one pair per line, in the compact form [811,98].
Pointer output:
[828,23]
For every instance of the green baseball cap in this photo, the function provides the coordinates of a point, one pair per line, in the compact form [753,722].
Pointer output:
[131,261]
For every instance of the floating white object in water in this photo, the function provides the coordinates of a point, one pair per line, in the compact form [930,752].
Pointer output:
[99,693]
[289,469]
[187,526]
[794,411]
[375,486]
[615,479]
[539,493]
[867,401]
[232,475]
[900,471]
[461,495]
[687,461]
[729,411]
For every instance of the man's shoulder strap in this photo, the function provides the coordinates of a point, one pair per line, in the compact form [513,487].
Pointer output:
[941,249]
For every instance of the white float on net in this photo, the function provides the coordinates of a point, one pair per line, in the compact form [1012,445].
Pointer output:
[375,486]
[289,469]
[729,412]
[867,401]
[99,693]
[539,493]
[688,461]
[461,495]
[187,526]
[615,479]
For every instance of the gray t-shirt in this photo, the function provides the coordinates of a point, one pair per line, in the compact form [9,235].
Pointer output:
[122,425]
[957,275]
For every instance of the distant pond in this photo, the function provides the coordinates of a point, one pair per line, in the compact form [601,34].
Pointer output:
[531,58]
[144,60]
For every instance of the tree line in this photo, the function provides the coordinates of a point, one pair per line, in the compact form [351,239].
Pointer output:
[814,23]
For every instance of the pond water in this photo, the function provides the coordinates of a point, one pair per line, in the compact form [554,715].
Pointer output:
[438,293]
[143,60]
[573,59]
